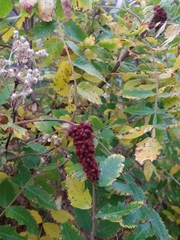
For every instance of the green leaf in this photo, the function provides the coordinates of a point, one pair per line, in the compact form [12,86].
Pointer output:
[115,213]
[110,169]
[42,30]
[89,92]
[37,147]
[22,177]
[132,220]
[69,232]
[119,188]
[36,194]
[96,123]
[7,193]
[52,174]
[5,92]
[139,110]
[6,7]
[86,66]
[74,32]
[52,165]
[83,219]
[75,48]
[46,126]
[76,171]
[31,161]
[23,217]
[137,93]
[106,229]
[53,46]
[156,222]
[42,181]
[9,233]
[142,232]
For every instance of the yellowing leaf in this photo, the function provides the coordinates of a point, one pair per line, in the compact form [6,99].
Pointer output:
[91,78]
[90,54]
[78,195]
[169,215]
[89,41]
[46,238]
[7,35]
[45,10]
[3,176]
[148,149]
[62,77]
[51,229]
[149,168]
[90,92]
[36,216]
[30,237]
[174,169]
[178,221]
[70,108]
[82,5]
[118,28]
[176,64]
[20,21]
[128,132]
[176,209]
[61,216]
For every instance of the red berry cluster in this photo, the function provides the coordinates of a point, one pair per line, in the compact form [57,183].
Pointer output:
[83,141]
[160,16]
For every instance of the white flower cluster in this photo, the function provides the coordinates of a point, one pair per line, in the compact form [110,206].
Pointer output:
[19,70]
[53,138]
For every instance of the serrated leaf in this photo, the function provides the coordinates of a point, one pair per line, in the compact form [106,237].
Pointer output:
[31,161]
[156,222]
[82,5]
[78,195]
[43,183]
[51,229]
[42,30]
[38,195]
[36,216]
[83,219]
[96,123]
[8,34]
[23,217]
[45,10]
[22,177]
[6,7]
[142,232]
[148,149]
[111,43]
[18,131]
[61,216]
[46,126]
[90,92]
[37,147]
[69,232]
[88,68]
[139,110]
[9,233]
[110,169]
[127,132]
[73,31]
[7,193]
[149,168]
[19,22]
[76,171]
[132,220]
[137,93]
[115,213]
[106,229]
[119,188]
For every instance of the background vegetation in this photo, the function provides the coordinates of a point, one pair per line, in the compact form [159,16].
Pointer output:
[68,66]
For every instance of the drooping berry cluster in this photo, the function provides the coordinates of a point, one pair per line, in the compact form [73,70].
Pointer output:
[160,16]
[83,141]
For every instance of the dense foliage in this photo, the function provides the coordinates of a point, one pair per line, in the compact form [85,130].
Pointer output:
[89,120]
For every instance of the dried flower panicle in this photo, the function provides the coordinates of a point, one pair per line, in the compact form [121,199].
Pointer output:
[83,142]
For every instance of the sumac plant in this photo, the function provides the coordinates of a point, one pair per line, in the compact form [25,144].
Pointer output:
[89,120]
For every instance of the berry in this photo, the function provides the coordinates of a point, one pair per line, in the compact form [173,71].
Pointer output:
[160,16]
[83,142]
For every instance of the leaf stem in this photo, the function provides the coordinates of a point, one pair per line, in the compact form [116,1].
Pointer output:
[94,221]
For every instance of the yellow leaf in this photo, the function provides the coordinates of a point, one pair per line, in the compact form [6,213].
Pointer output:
[30,237]
[78,195]
[7,35]
[36,216]
[46,238]
[149,168]
[61,216]
[90,54]
[176,209]
[51,229]
[70,108]
[176,64]
[45,10]
[148,149]
[89,41]
[20,21]
[118,28]
[3,176]
[178,221]
[174,169]
[128,132]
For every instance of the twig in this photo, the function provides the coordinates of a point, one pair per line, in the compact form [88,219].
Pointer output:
[44,120]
